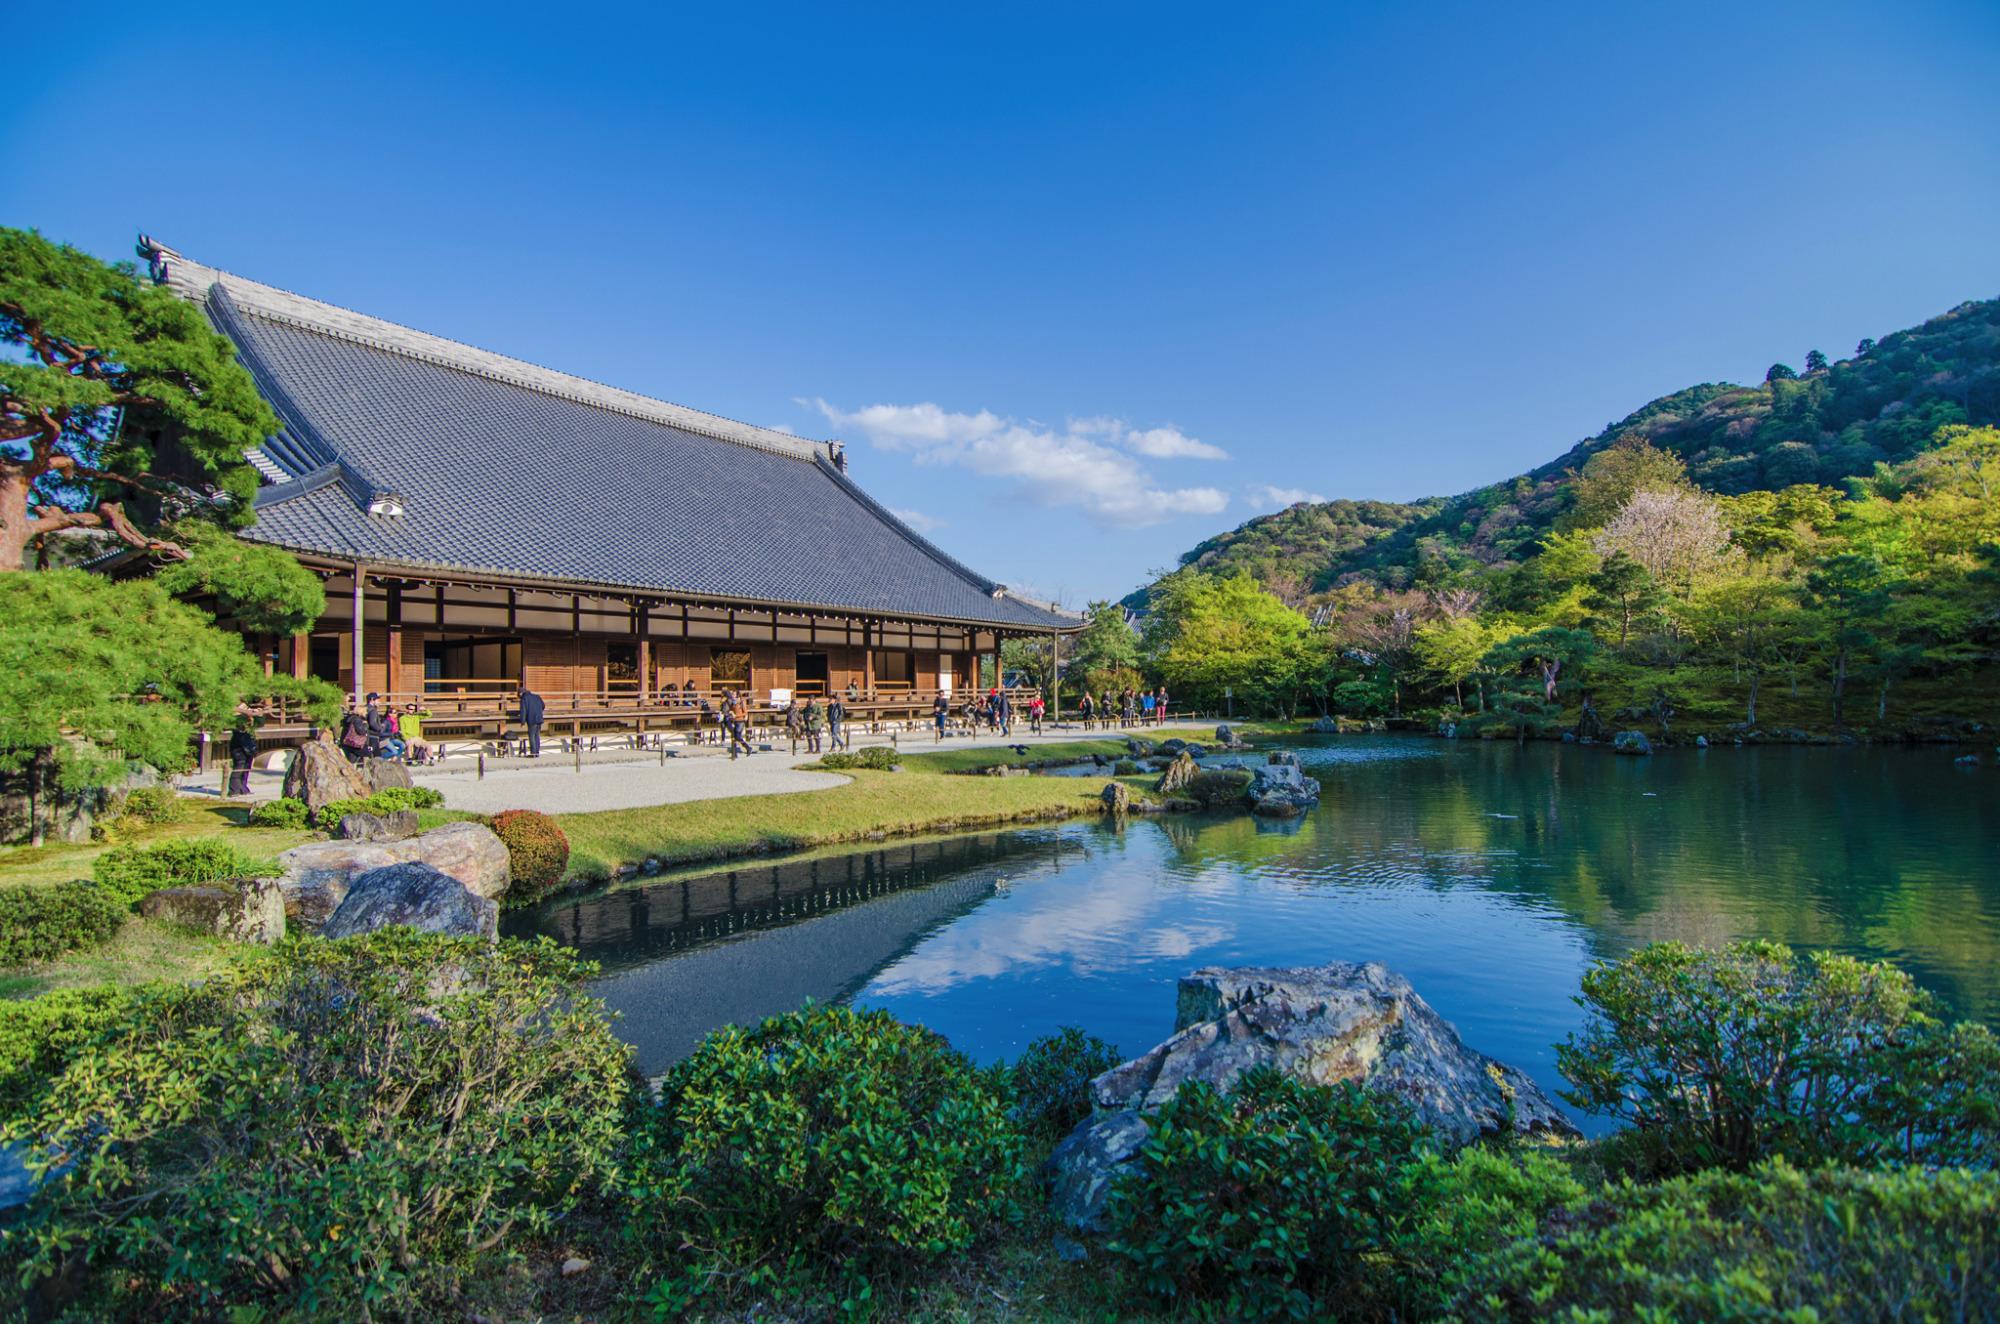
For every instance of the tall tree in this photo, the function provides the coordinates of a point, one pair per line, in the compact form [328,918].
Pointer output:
[1850,594]
[1622,589]
[112,383]
[1107,645]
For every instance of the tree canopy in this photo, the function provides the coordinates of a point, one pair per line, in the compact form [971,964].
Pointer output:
[116,390]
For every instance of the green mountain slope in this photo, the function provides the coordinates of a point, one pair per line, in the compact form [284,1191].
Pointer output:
[1832,422]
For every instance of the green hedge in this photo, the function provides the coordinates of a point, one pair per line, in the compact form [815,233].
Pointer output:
[39,1036]
[283,812]
[875,758]
[43,923]
[335,1130]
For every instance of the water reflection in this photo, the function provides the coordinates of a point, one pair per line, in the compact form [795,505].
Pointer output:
[1490,875]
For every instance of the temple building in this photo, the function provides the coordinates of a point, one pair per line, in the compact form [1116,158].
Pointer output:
[483,523]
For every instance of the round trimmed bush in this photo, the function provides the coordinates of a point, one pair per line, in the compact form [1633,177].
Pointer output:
[153,805]
[336,1130]
[42,923]
[537,853]
[825,1141]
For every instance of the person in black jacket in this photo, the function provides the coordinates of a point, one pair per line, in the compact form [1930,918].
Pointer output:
[242,751]
[528,712]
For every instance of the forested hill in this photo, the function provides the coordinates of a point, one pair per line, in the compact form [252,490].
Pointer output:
[1828,421]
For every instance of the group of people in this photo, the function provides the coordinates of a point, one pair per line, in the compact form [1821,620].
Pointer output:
[812,722]
[384,731]
[996,710]
[1129,708]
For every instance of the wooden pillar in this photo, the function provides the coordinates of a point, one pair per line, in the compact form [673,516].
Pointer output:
[360,686]
[394,668]
[645,664]
[1055,674]
[868,659]
[301,655]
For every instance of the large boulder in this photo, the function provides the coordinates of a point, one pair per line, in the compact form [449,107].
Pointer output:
[1631,742]
[1326,726]
[319,874]
[386,774]
[1322,1024]
[252,910]
[320,774]
[1281,790]
[396,825]
[1178,774]
[416,895]
[1117,798]
[1227,737]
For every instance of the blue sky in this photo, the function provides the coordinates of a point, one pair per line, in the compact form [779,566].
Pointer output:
[1081,285]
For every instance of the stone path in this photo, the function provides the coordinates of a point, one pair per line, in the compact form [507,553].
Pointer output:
[634,779]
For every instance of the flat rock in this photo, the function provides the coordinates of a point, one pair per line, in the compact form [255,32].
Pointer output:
[416,895]
[396,825]
[252,910]
[386,774]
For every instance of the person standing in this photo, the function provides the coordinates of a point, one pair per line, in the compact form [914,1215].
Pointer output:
[242,753]
[1003,712]
[1035,710]
[815,725]
[940,713]
[1146,702]
[529,711]
[1160,705]
[795,724]
[1087,709]
[836,713]
[732,722]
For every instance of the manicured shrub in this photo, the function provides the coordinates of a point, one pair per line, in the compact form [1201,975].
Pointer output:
[1281,1199]
[385,801]
[42,923]
[1217,789]
[1771,1244]
[820,1150]
[38,1036]
[337,1130]
[875,758]
[537,853]
[1469,1205]
[1051,1079]
[284,812]
[130,873]
[1124,768]
[1724,1058]
[151,806]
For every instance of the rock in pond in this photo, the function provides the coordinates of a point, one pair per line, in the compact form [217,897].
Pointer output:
[1117,799]
[417,895]
[1631,742]
[1322,1024]
[1281,790]
[252,910]
[1227,738]
[396,825]
[1178,774]
[318,874]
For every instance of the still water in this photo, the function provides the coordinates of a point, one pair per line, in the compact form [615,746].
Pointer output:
[1492,876]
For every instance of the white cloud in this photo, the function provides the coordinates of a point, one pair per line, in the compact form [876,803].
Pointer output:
[1265,496]
[1084,464]
[919,521]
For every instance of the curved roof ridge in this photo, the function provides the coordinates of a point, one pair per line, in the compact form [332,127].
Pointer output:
[196,282]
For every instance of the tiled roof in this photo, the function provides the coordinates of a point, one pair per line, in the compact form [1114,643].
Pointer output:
[505,468]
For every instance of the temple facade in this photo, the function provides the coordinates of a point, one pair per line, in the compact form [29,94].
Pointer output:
[483,523]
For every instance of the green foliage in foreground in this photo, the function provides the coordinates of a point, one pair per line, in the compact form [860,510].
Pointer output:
[822,1148]
[1725,1058]
[131,873]
[1272,1202]
[1771,1244]
[404,1124]
[336,1130]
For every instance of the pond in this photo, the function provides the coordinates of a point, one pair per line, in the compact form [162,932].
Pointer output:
[1491,875]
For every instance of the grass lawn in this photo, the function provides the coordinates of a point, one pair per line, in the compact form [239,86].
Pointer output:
[946,759]
[35,866]
[873,805]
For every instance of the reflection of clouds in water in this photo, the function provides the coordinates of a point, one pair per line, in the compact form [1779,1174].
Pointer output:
[1091,926]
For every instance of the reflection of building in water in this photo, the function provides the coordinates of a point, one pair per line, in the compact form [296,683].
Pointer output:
[736,951]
